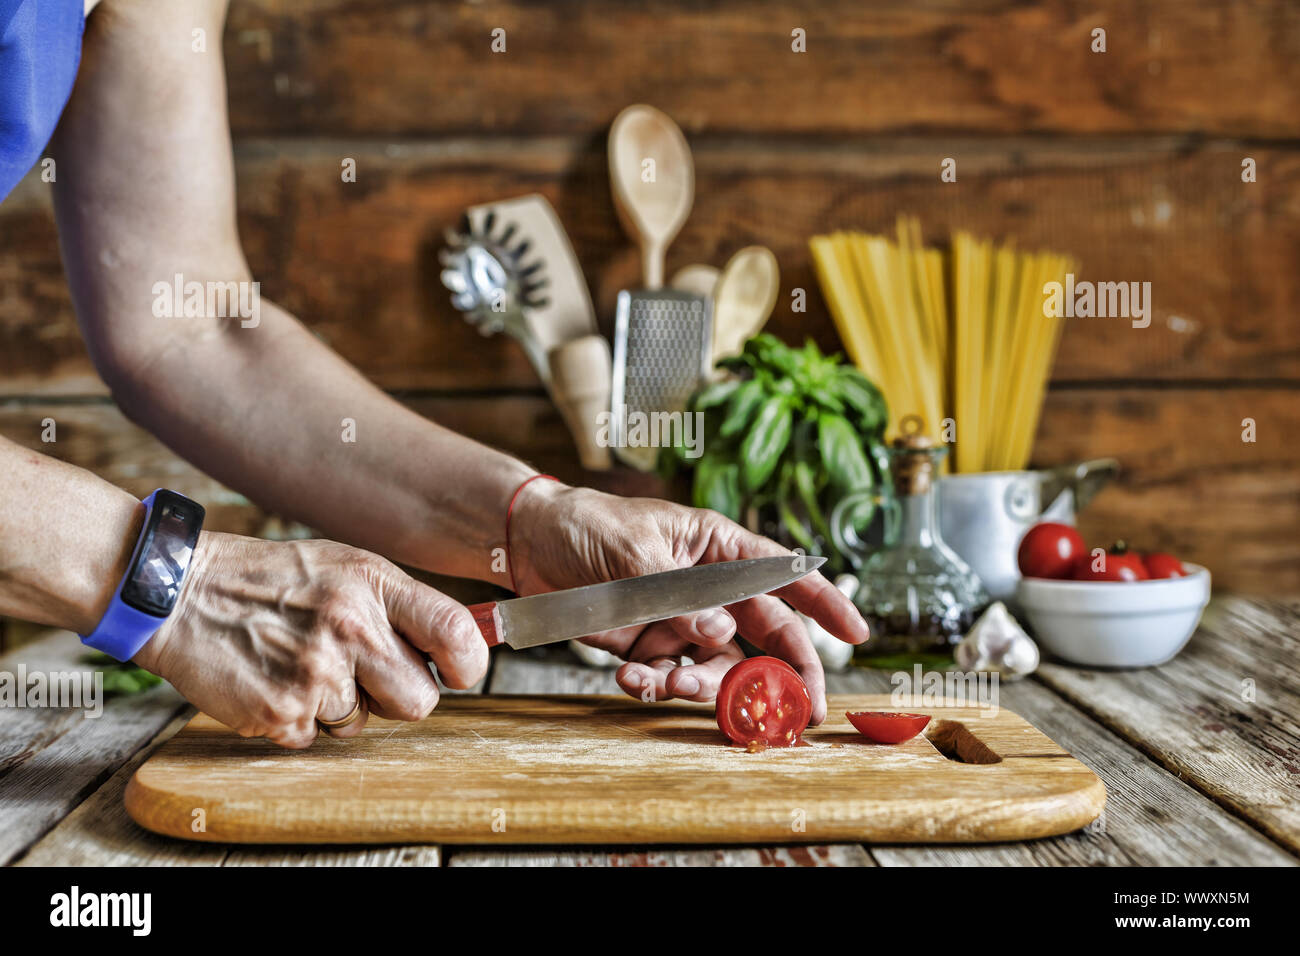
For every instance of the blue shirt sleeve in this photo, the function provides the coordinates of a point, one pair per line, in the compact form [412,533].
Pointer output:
[40,50]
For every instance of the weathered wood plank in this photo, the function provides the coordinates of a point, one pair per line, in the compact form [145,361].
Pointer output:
[1219,254]
[99,833]
[1189,483]
[417,856]
[51,759]
[1224,715]
[1151,817]
[1249,537]
[726,65]
[836,855]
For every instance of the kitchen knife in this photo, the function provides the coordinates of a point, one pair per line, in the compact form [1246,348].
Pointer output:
[578,612]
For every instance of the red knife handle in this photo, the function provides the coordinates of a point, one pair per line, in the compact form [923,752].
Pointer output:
[488,619]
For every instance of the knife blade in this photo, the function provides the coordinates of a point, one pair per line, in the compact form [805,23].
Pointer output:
[577,612]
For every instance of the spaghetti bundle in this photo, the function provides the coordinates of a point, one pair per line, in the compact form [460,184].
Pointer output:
[958,334]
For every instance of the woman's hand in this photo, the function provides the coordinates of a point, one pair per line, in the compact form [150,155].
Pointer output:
[565,537]
[269,636]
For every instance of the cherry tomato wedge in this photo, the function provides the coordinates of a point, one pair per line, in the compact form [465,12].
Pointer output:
[763,701]
[887,728]
[1161,565]
[1050,550]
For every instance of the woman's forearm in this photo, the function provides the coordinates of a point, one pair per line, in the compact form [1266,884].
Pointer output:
[66,538]
[274,413]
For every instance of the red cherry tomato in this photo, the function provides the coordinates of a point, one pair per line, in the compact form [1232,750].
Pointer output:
[763,701]
[887,728]
[1118,564]
[1050,550]
[1161,565]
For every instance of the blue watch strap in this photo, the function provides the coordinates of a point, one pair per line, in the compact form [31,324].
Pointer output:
[124,629]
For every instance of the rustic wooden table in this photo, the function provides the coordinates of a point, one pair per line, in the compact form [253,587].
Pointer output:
[1201,760]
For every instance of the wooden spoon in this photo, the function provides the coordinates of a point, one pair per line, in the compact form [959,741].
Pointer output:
[743,299]
[652,177]
[697,279]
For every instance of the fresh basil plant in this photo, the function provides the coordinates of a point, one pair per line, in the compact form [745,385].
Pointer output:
[791,433]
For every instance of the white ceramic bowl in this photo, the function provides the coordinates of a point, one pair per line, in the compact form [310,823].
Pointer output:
[1115,623]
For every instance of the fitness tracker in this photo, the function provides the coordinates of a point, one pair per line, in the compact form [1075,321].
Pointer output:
[149,589]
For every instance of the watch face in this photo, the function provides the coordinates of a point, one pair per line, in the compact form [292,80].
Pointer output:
[165,551]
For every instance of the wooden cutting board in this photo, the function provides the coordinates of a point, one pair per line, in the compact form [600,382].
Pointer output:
[588,769]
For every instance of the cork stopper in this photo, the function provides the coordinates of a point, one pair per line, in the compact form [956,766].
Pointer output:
[914,458]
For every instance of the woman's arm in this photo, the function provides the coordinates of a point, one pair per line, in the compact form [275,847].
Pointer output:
[65,540]
[144,192]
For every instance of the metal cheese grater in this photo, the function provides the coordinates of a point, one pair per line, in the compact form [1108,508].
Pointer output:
[662,341]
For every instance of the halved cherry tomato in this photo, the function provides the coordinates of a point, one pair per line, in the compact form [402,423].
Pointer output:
[886,728]
[763,701]
[1118,564]
[1161,565]
[1050,550]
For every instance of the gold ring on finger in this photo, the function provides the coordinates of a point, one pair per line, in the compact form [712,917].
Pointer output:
[349,719]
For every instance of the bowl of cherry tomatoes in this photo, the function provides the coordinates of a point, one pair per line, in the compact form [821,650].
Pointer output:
[1112,607]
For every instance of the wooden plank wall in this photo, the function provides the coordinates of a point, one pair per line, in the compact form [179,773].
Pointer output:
[1130,160]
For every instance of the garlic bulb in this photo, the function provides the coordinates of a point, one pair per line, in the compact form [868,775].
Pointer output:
[997,642]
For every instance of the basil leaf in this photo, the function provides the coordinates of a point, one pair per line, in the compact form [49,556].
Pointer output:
[128,679]
[865,400]
[827,399]
[763,446]
[771,352]
[789,520]
[744,402]
[717,486]
[846,463]
[805,482]
[736,363]
[714,394]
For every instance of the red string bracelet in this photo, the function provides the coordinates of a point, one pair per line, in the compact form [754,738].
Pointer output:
[510,564]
